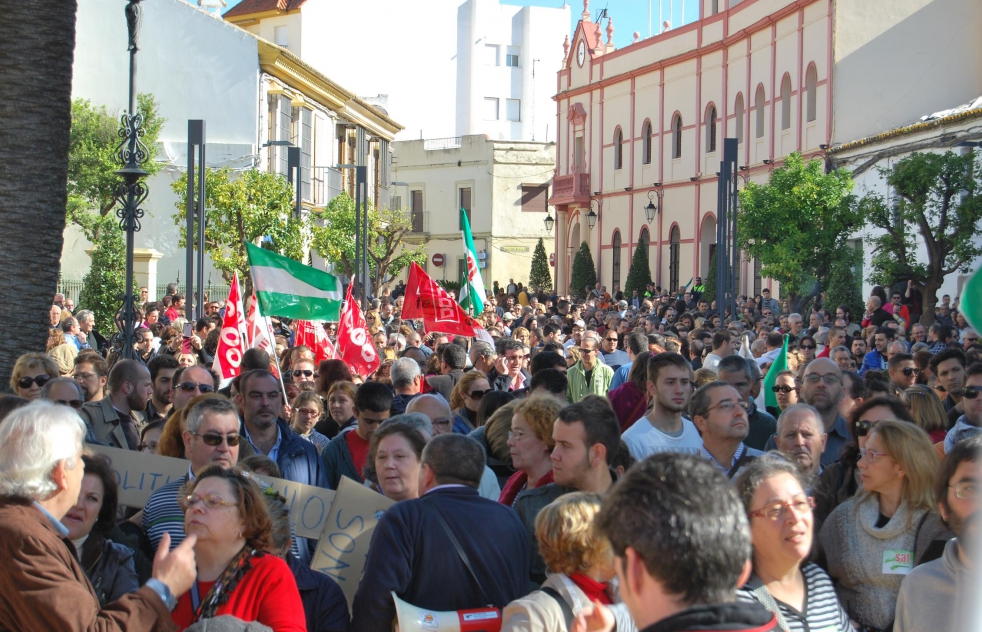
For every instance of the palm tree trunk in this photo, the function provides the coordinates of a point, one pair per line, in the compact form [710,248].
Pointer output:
[35,120]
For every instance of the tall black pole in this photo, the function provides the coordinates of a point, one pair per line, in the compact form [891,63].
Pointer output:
[132,191]
[361,184]
[201,228]
[195,138]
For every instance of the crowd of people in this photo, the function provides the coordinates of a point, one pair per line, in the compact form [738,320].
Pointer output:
[609,462]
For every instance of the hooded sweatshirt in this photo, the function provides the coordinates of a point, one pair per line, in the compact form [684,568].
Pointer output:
[935,596]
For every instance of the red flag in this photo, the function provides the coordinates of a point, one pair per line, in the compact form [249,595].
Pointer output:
[411,305]
[312,335]
[438,309]
[259,333]
[233,340]
[354,343]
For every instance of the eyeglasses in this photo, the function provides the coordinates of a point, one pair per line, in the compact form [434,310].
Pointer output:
[190,387]
[971,392]
[779,510]
[828,378]
[25,382]
[477,394]
[84,376]
[74,403]
[782,389]
[517,435]
[210,501]
[909,371]
[728,406]
[870,455]
[585,350]
[304,372]
[966,490]
[807,348]
[863,427]
[215,440]
[149,447]
[308,412]
[611,339]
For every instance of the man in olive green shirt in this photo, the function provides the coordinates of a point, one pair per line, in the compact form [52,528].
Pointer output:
[589,375]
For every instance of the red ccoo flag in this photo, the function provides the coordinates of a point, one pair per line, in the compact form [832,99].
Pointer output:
[354,343]
[438,310]
[313,336]
[233,340]
[411,306]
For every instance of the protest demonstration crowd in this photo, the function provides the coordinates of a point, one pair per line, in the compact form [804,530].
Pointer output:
[594,461]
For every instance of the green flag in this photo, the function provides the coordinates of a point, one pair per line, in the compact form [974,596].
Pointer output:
[290,289]
[473,278]
[780,364]
[971,301]
[464,294]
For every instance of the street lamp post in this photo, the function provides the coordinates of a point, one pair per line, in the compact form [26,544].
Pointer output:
[651,210]
[132,191]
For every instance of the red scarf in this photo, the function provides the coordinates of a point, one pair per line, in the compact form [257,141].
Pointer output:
[594,590]
[516,485]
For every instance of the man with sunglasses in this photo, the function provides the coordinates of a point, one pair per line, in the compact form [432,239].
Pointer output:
[191,382]
[610,354]
[117,419]
[64,391]
[211,438]
[720,414]
[589,375]
[303,370]
[902,370]
[970,423]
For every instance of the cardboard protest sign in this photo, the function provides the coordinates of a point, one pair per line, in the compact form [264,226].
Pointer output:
[139,475]
[344,542]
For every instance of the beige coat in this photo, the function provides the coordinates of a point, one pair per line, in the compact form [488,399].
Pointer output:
[539,612]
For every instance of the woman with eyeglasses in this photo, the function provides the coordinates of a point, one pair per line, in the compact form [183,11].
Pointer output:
[225,510]
[308,409]
[871,541]
[31,372]
[928,411]
[799,593]
[530,444]
[840,480]
[466,398]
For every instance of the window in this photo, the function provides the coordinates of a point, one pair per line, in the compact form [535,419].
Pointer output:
[759,111]
[491,54]
[490,109]
[285,118]
[280,36]
[616,261]
[578,153]
[464,202]
[395,203]
[618,148]
[306,151]
[786,102]
[738,119]
[677,136]
[714,7]
[513,110]
[673,260]
[534,198]
[711,129]
[811,90]
[416,209]
[646,143]
[512,54]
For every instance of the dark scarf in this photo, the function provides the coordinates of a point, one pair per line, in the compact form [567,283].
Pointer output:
[223,587]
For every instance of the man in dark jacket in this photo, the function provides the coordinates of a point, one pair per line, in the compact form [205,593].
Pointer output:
[682,546]
[453,359]
[411,552]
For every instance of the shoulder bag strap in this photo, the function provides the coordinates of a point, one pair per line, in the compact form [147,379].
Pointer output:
[744,459]
[567,611]
[459,549]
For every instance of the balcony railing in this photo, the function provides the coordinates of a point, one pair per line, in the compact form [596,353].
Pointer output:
[451,142]
[572,188]
[326,185]
[419,221]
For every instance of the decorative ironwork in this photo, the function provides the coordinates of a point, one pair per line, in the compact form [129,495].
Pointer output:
[129,218]
[131,153]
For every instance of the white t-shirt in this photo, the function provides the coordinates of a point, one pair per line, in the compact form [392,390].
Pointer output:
[643,439]
[711,362]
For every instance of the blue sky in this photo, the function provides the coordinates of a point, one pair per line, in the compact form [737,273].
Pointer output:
[629,15]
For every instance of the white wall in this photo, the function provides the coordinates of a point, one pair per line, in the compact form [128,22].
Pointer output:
[197,67]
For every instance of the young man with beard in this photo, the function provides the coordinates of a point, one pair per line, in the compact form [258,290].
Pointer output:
[949,367]
[821,388]
[117,419]
[665,428]
[162,369]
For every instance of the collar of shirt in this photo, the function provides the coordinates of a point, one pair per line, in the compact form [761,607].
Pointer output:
[736,457]
[275,450]
[60,528]
[191,476]
[447,486]
[841,427]
[521,382]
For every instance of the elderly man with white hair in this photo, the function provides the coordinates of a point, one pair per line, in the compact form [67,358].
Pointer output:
[801,438]
[42,586]
[407,381]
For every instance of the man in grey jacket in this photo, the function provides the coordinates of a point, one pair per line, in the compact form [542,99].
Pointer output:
[940,595]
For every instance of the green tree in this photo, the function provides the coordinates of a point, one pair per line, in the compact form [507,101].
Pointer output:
[639,276]
[709,295]
[584,273]
[797,225]
[92,182]
[845,287]
[252,206]
[937,205]
[539,276]
[388,255]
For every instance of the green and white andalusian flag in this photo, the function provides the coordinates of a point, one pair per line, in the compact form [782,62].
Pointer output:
[464,294]
[971,300]
[290,289]
[475,284]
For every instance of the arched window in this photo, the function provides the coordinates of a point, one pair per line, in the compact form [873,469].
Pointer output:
[673,260]
[618,148]
[786,102]
[646,143]
[738,108]
[759,111]
[677,136]
[616,260]
[811,90]
[711,129]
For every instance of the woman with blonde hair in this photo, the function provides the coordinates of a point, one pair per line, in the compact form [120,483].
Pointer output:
[530,445]
[871,541]
[928,411]
[580,565]
[31,372]
[466,398]
[572,355]
[61,351]
[522,335]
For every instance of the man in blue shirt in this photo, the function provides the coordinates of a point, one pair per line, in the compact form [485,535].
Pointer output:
[877,358]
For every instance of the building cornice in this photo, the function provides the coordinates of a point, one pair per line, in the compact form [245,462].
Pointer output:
[907,130]
[248,19]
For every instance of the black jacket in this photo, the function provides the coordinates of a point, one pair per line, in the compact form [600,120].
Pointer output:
[324,604]
[411,555]
[501,382]
[746,617]
[110,568]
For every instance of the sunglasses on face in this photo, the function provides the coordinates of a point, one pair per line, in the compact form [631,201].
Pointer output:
[807,348]
[971,392]
[782,389]
[863,427]
[190,387]
[74,403]
[215,440]
[909,371]
[25,382]
[477,394]
[304,373]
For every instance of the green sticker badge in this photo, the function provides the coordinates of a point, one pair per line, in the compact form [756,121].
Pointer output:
[897,562]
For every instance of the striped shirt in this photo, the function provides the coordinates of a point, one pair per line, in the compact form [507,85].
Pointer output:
[163,514]
[822,612]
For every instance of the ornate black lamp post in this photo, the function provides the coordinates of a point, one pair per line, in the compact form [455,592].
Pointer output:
[132,191]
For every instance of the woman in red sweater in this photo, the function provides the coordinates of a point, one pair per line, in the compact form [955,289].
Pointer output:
[225,509]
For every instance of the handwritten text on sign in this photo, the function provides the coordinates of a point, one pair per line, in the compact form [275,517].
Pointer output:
[139,475]
[344,542]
